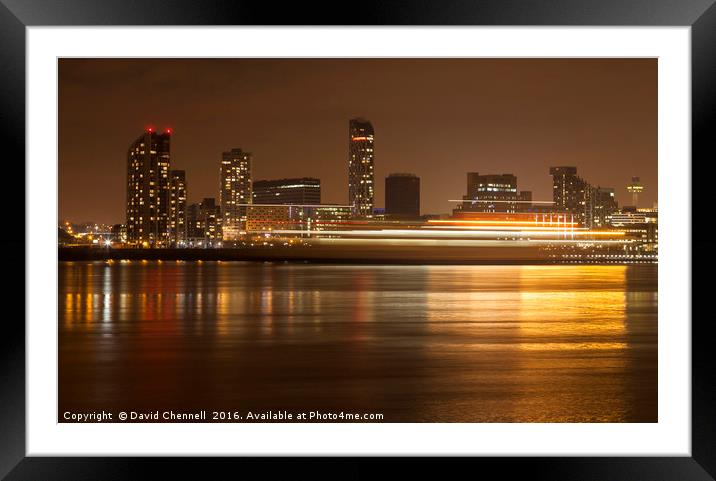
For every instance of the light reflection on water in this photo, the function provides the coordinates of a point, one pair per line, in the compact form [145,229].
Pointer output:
[417,343]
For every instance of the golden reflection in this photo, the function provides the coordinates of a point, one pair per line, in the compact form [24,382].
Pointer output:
[577,316]
[549,324]
[266,309]
[78,308]
[585,304]
[461,343]
[88,317]
[69,308]
[106,308]
[124,303]
[222,311]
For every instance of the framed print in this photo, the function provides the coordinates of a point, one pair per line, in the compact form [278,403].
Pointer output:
[424,230]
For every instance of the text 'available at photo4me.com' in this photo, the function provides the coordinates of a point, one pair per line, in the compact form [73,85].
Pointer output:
[204,416]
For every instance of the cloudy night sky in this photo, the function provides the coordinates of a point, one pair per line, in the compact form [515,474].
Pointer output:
[437,118]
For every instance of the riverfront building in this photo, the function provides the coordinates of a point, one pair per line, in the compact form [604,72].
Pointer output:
[494,193]
[266,218]
[572,194]
[361,158]
[591,206]
[402,196]
[235,192]
[490,193]
[177,207]
[605,206]
[328,217]
[306,190]
[148,190]
[204,224]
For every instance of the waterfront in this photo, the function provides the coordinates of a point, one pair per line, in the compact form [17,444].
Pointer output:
[415,343]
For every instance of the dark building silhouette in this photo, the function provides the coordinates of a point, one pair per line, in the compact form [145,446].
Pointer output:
[204,223]
[635,188]
[402,196]
[591,206]
[149,189]
[305,190]
[177,207]
[525,198]
[361,159]
[119,233]
[572,194]
[605,206]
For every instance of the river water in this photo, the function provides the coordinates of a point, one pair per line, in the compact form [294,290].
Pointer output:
[413,343]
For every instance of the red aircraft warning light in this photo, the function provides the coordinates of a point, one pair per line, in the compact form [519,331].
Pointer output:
[169,131]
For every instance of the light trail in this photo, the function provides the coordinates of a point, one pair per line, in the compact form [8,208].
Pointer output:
[464,242]
[329,206]
[537,230]
[503,201]
[501,222]
[419,233]
[508,228]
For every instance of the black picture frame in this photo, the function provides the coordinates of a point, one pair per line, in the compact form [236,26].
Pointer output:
[16,15]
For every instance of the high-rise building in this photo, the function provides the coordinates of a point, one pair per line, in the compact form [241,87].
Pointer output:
[494,193]
[572,194]
[605,206]
[305,190]
[177,207]
[204,223]
[635,188]
[402,196]
[149,190]
[235,191]
[361,158]
[194,224]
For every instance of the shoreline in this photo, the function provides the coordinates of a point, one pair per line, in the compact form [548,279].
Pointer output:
[388,255]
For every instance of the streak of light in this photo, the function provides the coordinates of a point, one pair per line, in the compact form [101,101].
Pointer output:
[391,233]
[463,242]
[507,228]
[533,230]
[294,205]
[503,201]
[499,222]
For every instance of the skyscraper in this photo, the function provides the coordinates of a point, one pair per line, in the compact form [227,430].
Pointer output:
[572,194]
[360,167]
[177,206]
[236,190]
[148,189]
[605,206]
[402,196]
[305,190]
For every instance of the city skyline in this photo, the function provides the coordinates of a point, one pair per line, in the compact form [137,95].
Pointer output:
[443,179]
[291,232]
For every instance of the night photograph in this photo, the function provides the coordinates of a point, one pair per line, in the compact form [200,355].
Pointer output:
[372,240]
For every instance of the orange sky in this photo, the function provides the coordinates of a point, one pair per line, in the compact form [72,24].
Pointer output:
[437,118]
